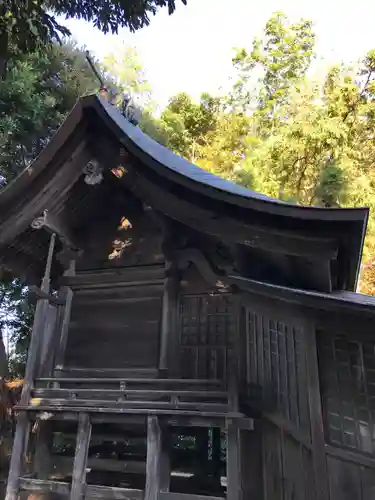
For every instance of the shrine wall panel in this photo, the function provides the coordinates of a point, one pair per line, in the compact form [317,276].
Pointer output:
[276,372]
[208,328]
[115,326]
[287,466]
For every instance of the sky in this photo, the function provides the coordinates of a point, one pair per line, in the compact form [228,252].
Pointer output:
[191,50]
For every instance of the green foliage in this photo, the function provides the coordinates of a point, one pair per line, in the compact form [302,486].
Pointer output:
[26,25]
[39,92]
[283,134]
[16,314]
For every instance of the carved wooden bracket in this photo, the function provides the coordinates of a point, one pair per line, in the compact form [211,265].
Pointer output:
[54,225]
[211,275]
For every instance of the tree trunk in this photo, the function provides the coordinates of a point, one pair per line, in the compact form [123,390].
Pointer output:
[3,359]
[4,55]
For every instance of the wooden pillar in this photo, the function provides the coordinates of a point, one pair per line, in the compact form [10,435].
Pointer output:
[66,294]
[80,458]
[251,472]
[42,463]
[157,463]
[168,340]
[317,431]
[233,463]
[216,456]
[33,358]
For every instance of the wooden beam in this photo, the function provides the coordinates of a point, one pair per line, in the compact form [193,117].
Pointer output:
[168,344]
[107,404]
[233,464]
[91,491]
[157,463]
[138,275]
[54,225]
[18,456]
[80,458]
[52,299]
[67,294]
[186,496]
[33,358]
[227,228]
[316,418]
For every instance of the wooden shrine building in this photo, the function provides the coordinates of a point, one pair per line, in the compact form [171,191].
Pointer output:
[192,339]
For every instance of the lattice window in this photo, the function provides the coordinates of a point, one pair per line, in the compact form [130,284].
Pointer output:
[347,370]
[207,326]
[276,368]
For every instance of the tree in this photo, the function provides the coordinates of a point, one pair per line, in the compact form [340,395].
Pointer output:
[25,25]
[40,90]
[309,143]
[189,124]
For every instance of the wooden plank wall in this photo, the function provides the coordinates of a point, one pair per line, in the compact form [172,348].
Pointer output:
[276,385]
[115,325]
[314,389]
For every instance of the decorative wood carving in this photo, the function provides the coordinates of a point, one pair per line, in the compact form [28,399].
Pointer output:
[54,224]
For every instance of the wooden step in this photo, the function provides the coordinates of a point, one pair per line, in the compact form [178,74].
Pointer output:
[74,407]
[131,373]
[132,395]
[102,492]
[104,404]
[64,465]
[90,491]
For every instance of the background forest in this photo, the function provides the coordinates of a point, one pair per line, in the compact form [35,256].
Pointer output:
[278,131]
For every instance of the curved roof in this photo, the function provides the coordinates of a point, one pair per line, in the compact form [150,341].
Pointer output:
[345,227]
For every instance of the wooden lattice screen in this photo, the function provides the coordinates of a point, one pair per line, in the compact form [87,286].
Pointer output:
[347,371]
[208,326]
[277,385]
[276,369]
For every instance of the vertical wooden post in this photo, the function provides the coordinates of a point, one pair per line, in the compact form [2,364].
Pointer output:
[316,418]
[233,463]
[43,452]
[157,463]
[168,325]
[67,295]
[48,344]
[165,460]
[80,458]
[216,456]
[251,471]
[22,429]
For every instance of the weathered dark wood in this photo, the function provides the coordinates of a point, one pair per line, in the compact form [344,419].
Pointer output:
[234,472]
[64,465]
[54,224]
[168,344]
[110,404]
[52,299]
[153,463]
[129,394]
[42,463]
[80,458]
[17,461]
[350,456]
[251,463]
[141,275]
[48,344]
[22,430]
[316,418]
[67,294]
[114,378]
[91,491]
[186,496]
